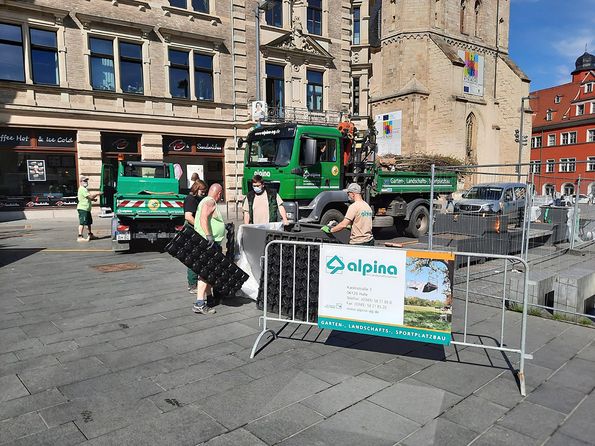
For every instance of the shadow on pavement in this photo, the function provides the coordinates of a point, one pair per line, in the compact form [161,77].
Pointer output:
[10,255]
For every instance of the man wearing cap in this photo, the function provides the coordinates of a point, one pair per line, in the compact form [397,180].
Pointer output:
[359,216]
[84,209]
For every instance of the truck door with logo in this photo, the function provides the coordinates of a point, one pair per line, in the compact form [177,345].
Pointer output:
[323,174]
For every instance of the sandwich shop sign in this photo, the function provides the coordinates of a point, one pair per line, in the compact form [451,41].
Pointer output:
[386,292]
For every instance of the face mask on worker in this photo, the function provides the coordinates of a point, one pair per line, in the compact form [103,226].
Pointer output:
[257,189]
[351,198]
[85,183]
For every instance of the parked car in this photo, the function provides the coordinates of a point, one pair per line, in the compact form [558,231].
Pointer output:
[494,198]
[582,199]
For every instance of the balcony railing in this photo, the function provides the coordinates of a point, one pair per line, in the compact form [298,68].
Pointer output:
[302,116]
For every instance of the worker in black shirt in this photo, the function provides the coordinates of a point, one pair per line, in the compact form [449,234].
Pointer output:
[197,192]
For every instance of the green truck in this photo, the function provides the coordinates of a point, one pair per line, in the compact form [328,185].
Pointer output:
[145,200]
[310,165]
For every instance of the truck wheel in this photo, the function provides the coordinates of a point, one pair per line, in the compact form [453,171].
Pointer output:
[330,215]
[419,222]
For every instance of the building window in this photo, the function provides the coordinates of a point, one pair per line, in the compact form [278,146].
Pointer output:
[102,64]
[549,189]
[356,25]
[197,5]
[591,164]
[591,135]
[12,67]
[477,11]
[314,90]
[470,138]
[548,115]
[355,105]
[549,166]
[203,76]
[179,74]
[462,16]
[274,13]
[131,67]
[589,87]
[535,142]
[580,109]
[535,166]
[275,91]
[314,17]
[44,57]
[567,138]
[568,189]
[557,99]
[551,140]
[567,164]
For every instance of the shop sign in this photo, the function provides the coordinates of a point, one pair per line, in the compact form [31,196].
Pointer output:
[172,144]
[209,145]
[36,170]
[386,292]
[183,144]
[119,142]
[56,139]
[15,138]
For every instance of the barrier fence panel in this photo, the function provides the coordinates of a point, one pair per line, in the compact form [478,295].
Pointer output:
[293,274]
[543,212]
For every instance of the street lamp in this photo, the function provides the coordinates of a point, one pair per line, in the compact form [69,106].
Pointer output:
[521,138]
[261,5]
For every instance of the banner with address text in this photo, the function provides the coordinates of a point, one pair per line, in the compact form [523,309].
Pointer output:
[386,292]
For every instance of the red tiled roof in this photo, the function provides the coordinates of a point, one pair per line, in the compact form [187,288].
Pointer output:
[561,113]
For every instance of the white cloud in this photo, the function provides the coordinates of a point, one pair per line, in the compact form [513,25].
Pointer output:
[574,46]
[562,74]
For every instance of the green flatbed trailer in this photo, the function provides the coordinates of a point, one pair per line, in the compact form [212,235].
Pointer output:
[145,200]
[309,167]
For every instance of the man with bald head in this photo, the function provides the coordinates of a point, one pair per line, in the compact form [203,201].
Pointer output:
[208,223]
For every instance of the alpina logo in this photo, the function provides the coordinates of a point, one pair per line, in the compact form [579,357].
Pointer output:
[336,265]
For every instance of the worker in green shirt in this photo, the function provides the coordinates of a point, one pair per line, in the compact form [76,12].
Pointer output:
[84,209]
[208,223]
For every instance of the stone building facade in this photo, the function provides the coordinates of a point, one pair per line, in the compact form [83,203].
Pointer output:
[440,72]
[87,80]
[153,80]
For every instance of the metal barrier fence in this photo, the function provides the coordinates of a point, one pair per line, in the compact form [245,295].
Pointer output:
[289,312]
[541,212]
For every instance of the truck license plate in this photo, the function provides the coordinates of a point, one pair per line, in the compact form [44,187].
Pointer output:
[122,236]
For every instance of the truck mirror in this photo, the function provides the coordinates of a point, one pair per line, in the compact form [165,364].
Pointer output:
[240,142]
[309,152]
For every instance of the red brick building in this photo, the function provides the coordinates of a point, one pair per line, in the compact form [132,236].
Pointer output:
[563,138]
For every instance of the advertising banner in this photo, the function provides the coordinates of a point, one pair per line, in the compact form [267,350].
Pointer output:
[36,170]
[386,292]
[472,73]
[388,132]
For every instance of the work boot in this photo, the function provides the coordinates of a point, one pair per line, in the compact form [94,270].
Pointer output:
[80,238]
[203,309]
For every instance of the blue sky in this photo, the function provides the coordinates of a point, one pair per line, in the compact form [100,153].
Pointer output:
[546,37]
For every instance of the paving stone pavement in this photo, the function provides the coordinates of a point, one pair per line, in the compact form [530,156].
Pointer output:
[119,358]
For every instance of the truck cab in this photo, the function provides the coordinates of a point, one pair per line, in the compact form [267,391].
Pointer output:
[299,161]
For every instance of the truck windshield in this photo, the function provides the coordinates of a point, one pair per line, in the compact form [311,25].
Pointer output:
[270,152]
[484,193]
[146,171]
